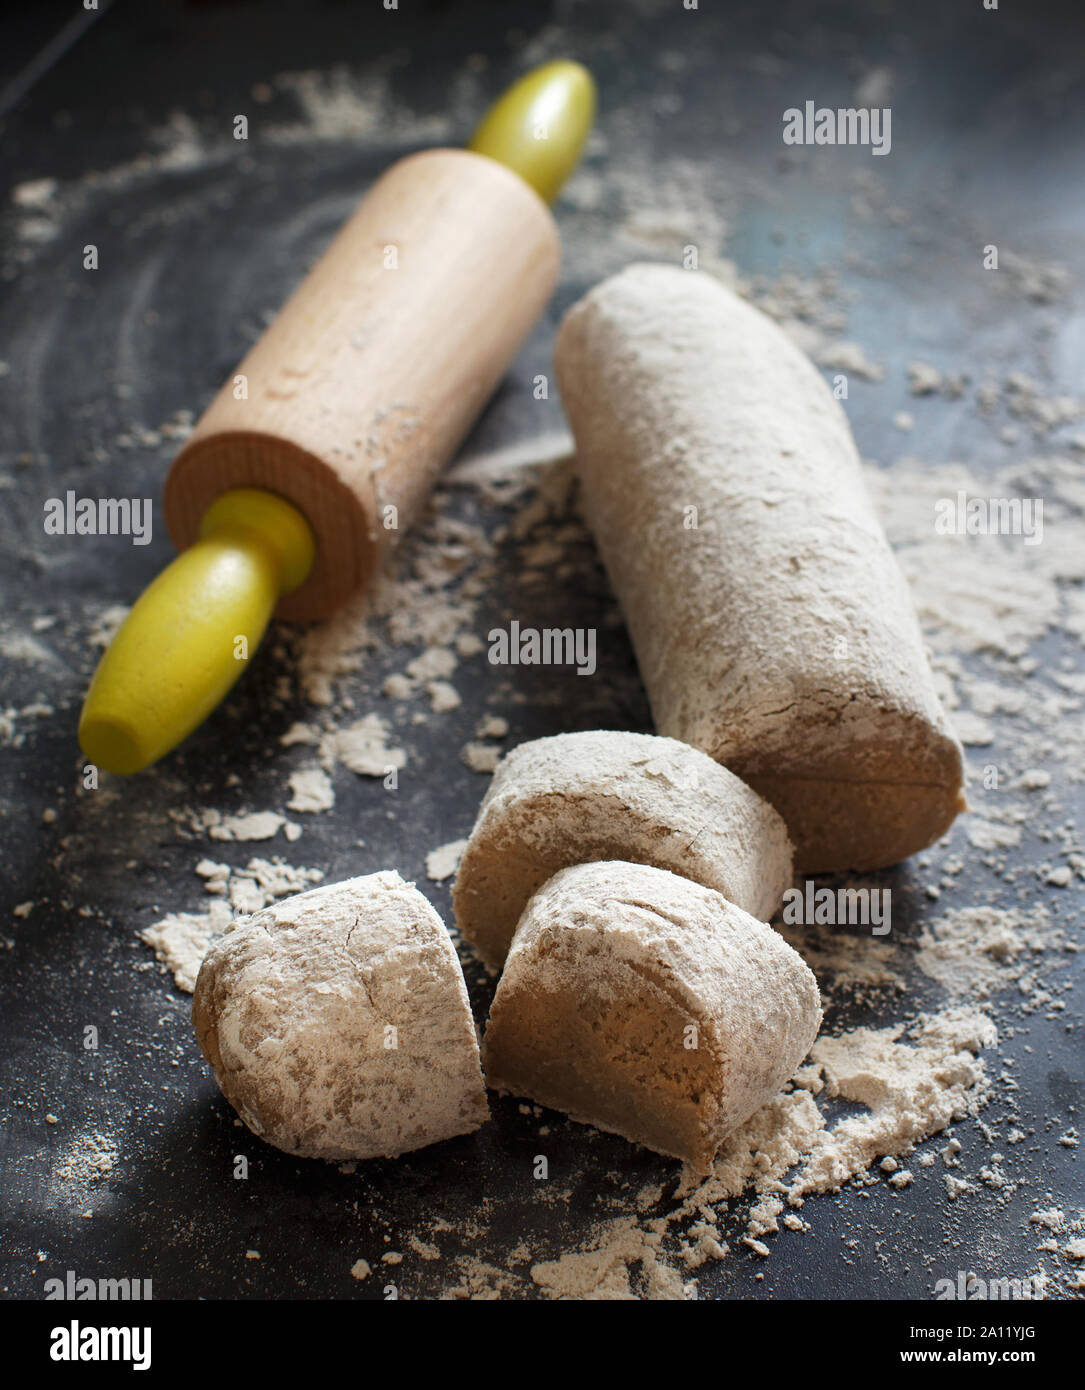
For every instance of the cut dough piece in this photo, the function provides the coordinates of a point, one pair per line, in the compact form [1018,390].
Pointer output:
[649,1006]
[605,795]
[771,623]
[337,1023]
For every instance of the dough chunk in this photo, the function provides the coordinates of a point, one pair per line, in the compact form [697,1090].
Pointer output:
[574,798]
[649,1006]
[338,1025]
[772,625]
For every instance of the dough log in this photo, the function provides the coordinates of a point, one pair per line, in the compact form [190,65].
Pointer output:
[771,623]
[338,1026]
[580,797]
[649,1006]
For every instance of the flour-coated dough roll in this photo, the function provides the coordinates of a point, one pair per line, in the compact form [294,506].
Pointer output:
[772,625]
[338,1025]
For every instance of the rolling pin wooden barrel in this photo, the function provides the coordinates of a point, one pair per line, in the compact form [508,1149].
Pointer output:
[320,448]
[772,625]
[361,389]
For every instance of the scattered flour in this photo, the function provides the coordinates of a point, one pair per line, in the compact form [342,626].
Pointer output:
[311,791]
[481,757]
[850,358]
[442,863]
[604,1271]
[257,825]
[90,1156]
[923,379]
[364,747]
[180,940]
[973,951]
[442,697]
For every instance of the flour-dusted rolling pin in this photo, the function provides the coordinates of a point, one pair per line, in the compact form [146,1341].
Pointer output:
[321,446]
[771,623]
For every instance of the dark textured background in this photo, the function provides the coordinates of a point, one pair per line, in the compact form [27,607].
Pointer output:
[988,112]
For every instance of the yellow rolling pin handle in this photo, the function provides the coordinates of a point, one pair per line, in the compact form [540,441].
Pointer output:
[540,125]
[191,634]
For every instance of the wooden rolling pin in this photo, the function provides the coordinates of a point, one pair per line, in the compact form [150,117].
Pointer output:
[771,623]
[320,448]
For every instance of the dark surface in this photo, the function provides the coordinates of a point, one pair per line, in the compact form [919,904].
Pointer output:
[988,113]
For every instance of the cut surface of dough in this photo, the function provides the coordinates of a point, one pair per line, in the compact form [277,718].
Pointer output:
[648,1005]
